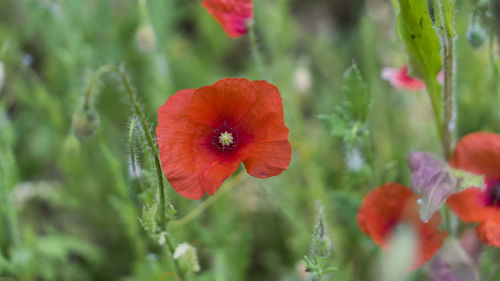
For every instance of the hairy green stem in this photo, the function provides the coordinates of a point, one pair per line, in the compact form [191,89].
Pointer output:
[449,97]
[138,110]
[149,137]
[491,46]
[448,41]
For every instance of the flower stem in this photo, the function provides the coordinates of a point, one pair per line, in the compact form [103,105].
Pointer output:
[448,41]
[138,111]
[143,11]
[149,137]
[199,209]
[492,46]
[255,49]
[449,97]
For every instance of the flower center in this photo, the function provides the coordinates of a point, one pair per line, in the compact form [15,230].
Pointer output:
[225,138]
[493,192]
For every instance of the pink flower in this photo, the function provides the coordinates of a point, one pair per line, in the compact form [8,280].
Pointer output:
[399,79]
[232,15]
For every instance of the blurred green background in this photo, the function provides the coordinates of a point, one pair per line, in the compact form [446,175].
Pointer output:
[70,208]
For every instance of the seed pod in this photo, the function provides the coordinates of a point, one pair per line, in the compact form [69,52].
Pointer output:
[85,122]
[476,35]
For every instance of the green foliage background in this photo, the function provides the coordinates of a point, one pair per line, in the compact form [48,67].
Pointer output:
[69,208]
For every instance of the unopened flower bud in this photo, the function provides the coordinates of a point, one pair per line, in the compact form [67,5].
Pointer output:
[146,38]
[321,245]
[2,75]
[302,80]
[186,255]
[85,122]
[71,144]
[476,35]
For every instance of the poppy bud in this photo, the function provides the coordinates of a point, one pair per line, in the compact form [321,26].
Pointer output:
[302,79]
[85,122]
[1,75]
[146,38]
[321,245]
[186,255]
[71,144]
[476,35]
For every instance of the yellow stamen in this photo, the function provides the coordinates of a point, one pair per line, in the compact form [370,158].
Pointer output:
[226,139]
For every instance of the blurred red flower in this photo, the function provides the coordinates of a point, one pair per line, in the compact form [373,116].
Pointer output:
[205,134]
[232,15]
[399,79]
[479,153]
[392,204]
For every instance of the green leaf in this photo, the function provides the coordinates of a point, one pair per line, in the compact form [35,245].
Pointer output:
[420,39]
[335,124]
[357,98]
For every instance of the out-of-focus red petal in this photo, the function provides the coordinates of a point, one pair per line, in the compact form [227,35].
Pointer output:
[430,239]
[269,152]
[179,140]
[232,15]
[227,98]
[469,205]
[478,153]
[489,230]
[381,210]
[392,204]
[399,79]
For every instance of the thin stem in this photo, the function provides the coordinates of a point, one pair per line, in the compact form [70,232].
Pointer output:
[449,97]
[138,111]
[207,203]
[149,137]
[143,11]
[255,49]
[491,46]
[448,39]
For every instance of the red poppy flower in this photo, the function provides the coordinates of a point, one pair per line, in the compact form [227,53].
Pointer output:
[392,204]
[479,153]
[232,15]
[399,79]
[205,134]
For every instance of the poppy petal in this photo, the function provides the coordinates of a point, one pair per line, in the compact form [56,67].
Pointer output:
[268,159]
[431,239]
[381,210]
[399,79]
[214,174]
[270,151]
[232,15]
[391,204]
[469,205]
[478,153]
[178,141]
[230,97]
[489,230]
